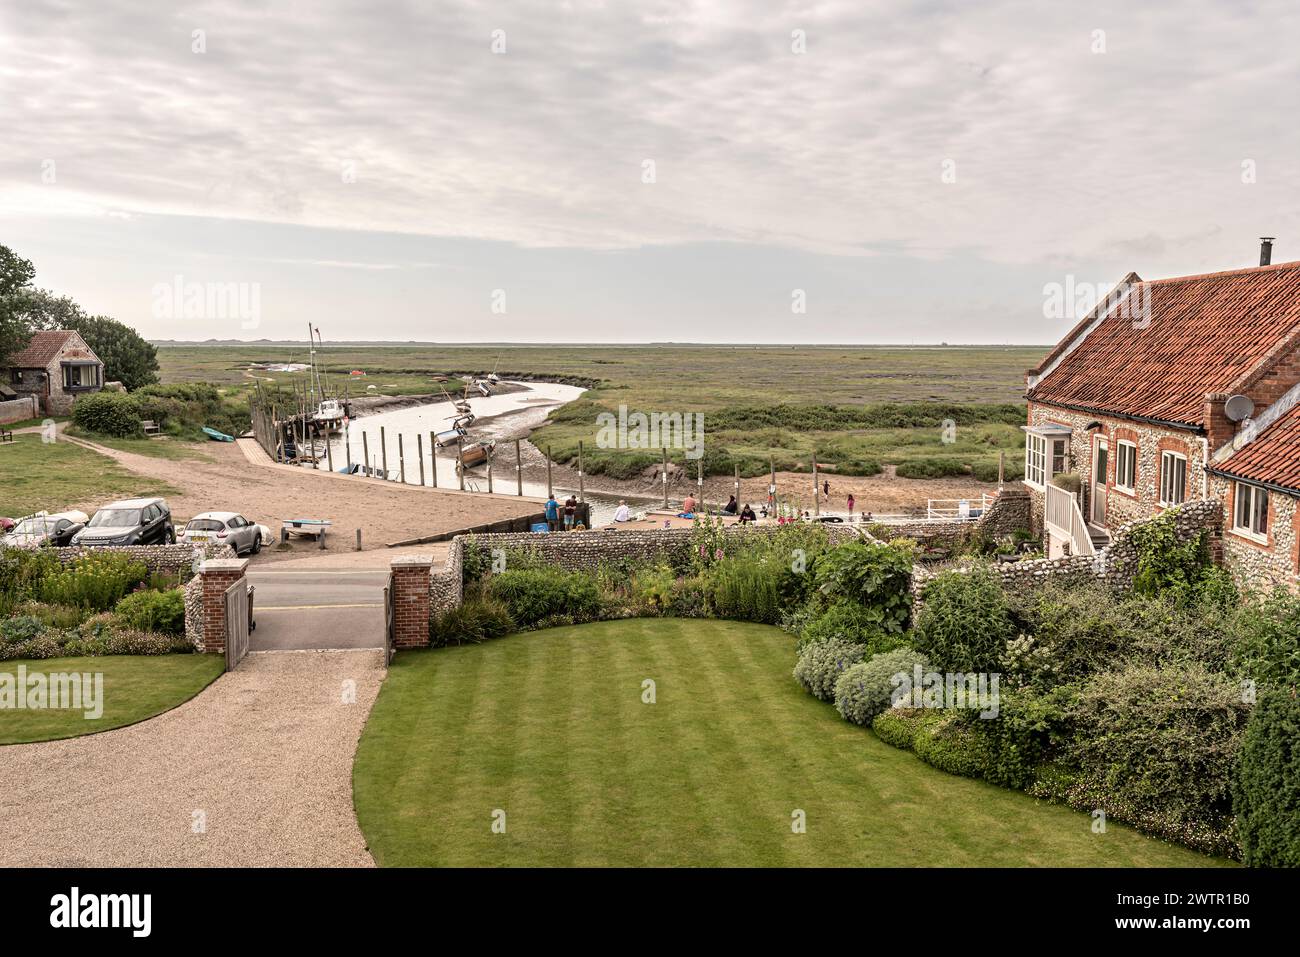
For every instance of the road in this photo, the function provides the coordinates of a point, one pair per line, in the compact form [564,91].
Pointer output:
[317,608]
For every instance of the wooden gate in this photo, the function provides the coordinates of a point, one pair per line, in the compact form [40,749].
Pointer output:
[236,623]
[390,620]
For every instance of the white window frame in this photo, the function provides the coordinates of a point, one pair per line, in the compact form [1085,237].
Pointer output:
[1167,469]
[1120,444]
[1041,454]
[1256,495]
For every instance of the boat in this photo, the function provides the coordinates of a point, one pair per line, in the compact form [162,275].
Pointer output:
[492,376]
[328,416]
[450,437]
[482,387]
[475,454]
[216,436]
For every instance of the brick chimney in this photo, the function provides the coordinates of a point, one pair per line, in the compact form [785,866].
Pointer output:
[1219,429]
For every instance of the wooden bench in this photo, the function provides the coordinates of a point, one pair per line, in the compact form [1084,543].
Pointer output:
[151,428]
[6,435]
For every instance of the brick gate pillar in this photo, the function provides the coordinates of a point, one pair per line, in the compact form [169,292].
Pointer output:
[218,574]
[411,605]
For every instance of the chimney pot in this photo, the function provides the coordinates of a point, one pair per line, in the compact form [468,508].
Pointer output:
[1265,250]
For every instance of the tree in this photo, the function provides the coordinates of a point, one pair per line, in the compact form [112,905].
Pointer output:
[127,358]
[15,274]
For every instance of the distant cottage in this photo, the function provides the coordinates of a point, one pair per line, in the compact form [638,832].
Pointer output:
[55,368]
[1172,390]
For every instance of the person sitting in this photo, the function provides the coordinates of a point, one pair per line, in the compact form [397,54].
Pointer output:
[747,515]
[688,505]
[731,506]
[623,514]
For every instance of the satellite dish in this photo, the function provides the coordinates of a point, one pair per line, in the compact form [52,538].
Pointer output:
[1238,407]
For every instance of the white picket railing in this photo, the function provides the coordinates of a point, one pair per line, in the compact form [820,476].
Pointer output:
[957,509]
[1062,516]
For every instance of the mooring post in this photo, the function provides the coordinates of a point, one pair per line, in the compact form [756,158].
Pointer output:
[550,492]
[419,448]
[737,488]
[1002,463]
[519,467]
[401,459]
[460,464]
[358,539]
[433,457]
[383,447]
[365,455]
[663,475]
[581,491]
[329,452]
[489,473]
[699,485]
[347,445]
[817,490]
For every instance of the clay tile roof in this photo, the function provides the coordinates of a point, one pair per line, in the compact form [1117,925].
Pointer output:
[1273,457]
[45,345]
[1198,334]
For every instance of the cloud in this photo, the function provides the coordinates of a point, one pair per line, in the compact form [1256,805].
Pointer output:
[401,118]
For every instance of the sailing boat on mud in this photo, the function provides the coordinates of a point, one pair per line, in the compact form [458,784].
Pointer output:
[328,416]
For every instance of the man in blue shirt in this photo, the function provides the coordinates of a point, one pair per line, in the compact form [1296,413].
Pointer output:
[552,512]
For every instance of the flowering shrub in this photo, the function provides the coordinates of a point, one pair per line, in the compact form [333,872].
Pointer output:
[96,581]
[864,690]
[821,663]
[708,543]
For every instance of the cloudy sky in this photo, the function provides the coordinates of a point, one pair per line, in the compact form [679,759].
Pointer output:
[456,171]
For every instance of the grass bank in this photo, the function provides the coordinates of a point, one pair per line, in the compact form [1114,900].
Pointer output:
[135,687]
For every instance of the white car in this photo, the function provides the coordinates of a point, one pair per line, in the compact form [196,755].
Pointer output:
[224,528]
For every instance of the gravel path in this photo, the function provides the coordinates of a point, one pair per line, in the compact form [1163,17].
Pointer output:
[264,754]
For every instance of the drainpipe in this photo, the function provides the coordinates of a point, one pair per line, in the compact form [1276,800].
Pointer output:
[1205,462]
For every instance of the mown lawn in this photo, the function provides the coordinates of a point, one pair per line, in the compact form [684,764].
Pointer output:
[550,728]
[35,475]
[135,687]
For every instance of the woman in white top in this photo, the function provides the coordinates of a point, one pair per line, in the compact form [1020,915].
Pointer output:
[622,515]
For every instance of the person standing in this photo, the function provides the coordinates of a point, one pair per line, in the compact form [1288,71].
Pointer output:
[826,488]
[552,512]
[850,506]
[570,513]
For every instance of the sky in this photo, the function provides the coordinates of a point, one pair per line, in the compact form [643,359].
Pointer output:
[831,172]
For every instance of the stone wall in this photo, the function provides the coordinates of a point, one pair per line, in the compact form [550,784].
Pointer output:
[589,550]
[1011,511]
[1115,565]
[17,410]
[168,559]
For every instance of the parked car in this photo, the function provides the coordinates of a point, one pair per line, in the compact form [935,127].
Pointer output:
[224,528]
[45,529]
[135,521]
